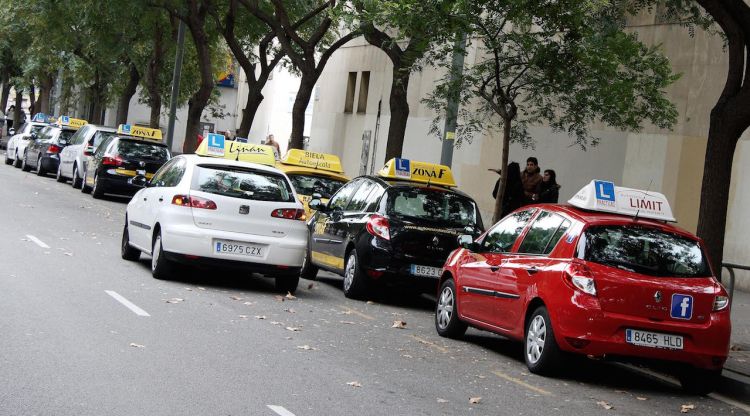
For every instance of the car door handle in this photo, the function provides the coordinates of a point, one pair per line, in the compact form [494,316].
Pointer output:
[532,270]
[161,199]
[145,199]
[494,268]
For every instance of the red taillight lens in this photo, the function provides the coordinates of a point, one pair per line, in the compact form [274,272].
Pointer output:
[581,278]
[193,202]
[379,226]
[112,161]
[54,149]
[289,214]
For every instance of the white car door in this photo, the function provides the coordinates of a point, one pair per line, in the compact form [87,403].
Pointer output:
[163,187]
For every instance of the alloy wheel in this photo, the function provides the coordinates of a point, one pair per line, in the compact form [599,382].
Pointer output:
[156,253]
[445,307]
[535,339]
[351,268]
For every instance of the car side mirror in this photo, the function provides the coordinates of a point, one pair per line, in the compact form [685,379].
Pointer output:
[316,195]
[11,131]
[139,180]
[466,241]
[317,205]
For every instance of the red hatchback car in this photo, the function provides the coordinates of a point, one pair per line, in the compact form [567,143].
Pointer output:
[598,279]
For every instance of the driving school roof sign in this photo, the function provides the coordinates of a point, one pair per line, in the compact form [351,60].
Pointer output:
[76,123]
[138,131]
[606,197]
[216,145]
[415,171]
[313,160]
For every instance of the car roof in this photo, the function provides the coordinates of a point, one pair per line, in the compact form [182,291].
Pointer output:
[196,159]
[103,128]
[395,183]
[606,218]
[138,139]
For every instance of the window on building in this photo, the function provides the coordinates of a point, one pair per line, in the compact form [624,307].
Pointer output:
[364,86]
[350,86]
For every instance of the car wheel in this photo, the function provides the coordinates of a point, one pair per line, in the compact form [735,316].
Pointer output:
[97,191]
[128,252]
[540,348]
[25,164]
[8,161]
[16,161]
[287,284]
[85,188]
[39,168]
[161,267]
[699,381]
[447,322]
[308,271]
[59,176]
[75,181]
[355,281]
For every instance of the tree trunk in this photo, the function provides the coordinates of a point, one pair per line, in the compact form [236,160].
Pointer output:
[306,86]
[123,106]
[497,214]
[19,110]
[152,78]
[33,103]
[254,98]
[5,93]
[45,89]
[199,100]
[399,113]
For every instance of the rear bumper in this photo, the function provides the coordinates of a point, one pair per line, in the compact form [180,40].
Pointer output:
[117,184]
[376,257]
[50,163]
[187,239]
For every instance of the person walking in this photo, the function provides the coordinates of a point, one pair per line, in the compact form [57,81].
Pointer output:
[273,143]
[530,179]
[513,197]
[9,116]
[548,190]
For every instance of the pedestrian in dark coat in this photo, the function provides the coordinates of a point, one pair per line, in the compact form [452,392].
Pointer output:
[514,196]
[548,190]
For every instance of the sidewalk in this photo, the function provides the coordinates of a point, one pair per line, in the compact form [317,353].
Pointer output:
[739,355]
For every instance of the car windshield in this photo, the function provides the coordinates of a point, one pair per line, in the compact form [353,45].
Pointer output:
[36,129]
[243,183]
[65,136]
[439,206]
[132,149]
[309,184]
[644,250]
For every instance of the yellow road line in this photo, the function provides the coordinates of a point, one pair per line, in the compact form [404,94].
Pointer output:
[522,383]
[356,312]
[431,344]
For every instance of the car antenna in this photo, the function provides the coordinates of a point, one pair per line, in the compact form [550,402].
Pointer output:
[645,193]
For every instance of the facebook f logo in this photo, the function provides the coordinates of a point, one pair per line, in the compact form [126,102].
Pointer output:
[682,306]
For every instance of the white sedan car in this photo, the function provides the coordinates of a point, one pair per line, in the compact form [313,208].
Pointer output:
[18,142]
[206,211]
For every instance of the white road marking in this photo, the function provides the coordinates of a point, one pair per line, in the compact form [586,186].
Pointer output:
[128,304]
[38,242]
[280,410]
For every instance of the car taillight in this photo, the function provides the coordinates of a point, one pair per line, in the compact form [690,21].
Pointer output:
[54,149]
[193,202]
[112,161]
[721,303]
[379,226]
[580,276]
[289,214]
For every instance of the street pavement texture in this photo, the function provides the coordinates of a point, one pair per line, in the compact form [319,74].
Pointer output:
[221,343]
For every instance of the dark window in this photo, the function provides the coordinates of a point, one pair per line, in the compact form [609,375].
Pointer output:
[109,142]
[644,250]
[341,199]
[351,85]
[243,183]
[170,174]
[136,149]
[432,205]
[544,234]
[310,184]
[99,137]
[501,237]
[361,198]
[65,136]
[78,137]
[364,86]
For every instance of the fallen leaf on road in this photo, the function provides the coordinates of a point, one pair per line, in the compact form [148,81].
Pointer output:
[190,289]
[310,286]
[643,399]
[201,288]
[439,400]
[174,300]
[260,316]
[735,347]
[347,322]
[290,296]
[133,344]
[279,298]
[235,298]
[243,316]
[69,254]
[305,347]
[248,303]
[369,302]
[399,324]
[290,310]
[475,400]
[276,323]
[292,328]
[354,384]
[686,408]
[605,405]
[406,356]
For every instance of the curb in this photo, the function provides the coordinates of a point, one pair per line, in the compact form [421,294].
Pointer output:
[734,384]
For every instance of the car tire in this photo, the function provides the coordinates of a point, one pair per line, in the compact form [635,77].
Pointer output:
[699,381]
[287,284]
[161,267]
[309,271]
[355,281]
[39,168]
[541,352]
[447,322]
[59,176]
[17,162]
[128,252]
[8,161]
[25,164]
[75,181]
[97,191]
[85,188]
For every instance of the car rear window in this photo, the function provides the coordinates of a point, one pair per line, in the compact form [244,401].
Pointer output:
[135,149]
[310,184]
[433,205]
[644,250]
[242,183]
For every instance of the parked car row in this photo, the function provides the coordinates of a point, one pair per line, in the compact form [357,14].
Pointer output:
[605,276]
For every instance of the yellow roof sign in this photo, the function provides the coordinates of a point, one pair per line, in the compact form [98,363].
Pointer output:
[414,171]
[216,145]
[138,131]
[313,160]
[75,123]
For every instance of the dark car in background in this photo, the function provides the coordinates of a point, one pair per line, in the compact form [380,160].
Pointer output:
[117,160]
[43,153]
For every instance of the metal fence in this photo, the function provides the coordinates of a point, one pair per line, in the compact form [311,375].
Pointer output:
[730,284]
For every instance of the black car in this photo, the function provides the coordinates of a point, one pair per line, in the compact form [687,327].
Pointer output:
[117,160]
[43,153]
[388,230]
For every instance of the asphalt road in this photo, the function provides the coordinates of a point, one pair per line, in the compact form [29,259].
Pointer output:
[221,343]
